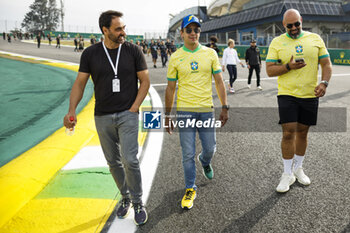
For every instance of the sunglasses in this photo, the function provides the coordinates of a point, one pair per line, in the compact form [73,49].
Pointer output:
[296,24]
[196,30]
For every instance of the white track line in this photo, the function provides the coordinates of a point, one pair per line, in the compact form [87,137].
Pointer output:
[87,157]
[39,58]
[149,164]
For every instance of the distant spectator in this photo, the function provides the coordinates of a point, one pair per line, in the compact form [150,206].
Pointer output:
[58,41]
[212,44]
[163,53]
[167,44]
[92,40]
[9,37]
[253,60]
[153,48]
[172,48]
[81,44]
[230,59]
[144,46]
[76,44]
[49,38]
[4,35]
[38,39]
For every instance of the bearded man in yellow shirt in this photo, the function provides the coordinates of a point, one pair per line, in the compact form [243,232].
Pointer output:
[294,57]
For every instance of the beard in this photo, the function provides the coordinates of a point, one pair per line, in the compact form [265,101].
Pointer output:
[295,34]
[119,39]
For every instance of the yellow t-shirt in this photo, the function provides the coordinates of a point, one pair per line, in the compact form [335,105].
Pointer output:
[302,82]
[193,70]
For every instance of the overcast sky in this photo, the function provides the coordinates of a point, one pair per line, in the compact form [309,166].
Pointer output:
[139,15]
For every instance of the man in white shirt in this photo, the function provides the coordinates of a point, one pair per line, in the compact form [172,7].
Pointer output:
[230,60]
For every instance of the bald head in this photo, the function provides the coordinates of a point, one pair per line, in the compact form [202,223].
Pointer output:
[292,23]
[291,15]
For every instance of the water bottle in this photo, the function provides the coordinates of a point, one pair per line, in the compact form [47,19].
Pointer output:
[70,131]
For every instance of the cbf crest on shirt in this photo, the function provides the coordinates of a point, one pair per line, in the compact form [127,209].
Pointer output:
[194,67]
[300,83]
[299,49]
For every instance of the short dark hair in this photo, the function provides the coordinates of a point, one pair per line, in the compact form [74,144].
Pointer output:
[106,18]
[214,39]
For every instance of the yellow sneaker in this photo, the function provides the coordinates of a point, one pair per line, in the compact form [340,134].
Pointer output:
[187,200]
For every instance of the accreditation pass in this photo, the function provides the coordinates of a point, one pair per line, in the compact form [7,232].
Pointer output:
[116,80]
[116,85]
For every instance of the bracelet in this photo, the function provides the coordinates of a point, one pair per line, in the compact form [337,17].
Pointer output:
[287,66]
[325,82]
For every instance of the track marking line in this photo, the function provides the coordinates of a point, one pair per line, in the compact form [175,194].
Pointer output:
[149,164]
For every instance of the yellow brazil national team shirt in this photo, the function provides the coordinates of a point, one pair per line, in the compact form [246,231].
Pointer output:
[302,82]
[193,71]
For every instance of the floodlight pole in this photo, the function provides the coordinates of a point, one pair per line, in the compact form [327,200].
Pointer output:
[62,14]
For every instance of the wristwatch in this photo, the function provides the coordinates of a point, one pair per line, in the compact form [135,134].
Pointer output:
[225,107]
[287,66]
[325,82]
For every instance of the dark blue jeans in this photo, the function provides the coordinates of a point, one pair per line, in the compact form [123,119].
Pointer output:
[188,144]
[164,57]
[232,70]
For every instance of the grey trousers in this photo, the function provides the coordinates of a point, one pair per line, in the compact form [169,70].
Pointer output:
[118,135]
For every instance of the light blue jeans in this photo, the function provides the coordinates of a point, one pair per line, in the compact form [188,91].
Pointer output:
[188,144]
[118,133]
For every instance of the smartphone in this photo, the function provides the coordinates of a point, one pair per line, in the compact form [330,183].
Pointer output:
[301,60]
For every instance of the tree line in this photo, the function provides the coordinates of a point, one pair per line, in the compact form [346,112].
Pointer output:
[42,15]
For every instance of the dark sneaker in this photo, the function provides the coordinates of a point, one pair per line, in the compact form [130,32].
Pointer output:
[140,214]
[208,172]
[124,208]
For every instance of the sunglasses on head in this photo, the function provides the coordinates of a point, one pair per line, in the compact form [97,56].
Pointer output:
[189,30]
[290,25]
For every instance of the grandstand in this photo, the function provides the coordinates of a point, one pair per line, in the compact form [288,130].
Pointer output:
[243,20]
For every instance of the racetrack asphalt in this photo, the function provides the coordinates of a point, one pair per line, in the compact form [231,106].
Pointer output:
[248,165]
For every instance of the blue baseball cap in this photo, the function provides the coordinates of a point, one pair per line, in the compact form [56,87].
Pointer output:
[189,19]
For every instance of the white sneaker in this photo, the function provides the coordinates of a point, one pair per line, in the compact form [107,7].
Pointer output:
[232,90]
[286,181]
[302,178]
[249,86]
[260,88]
